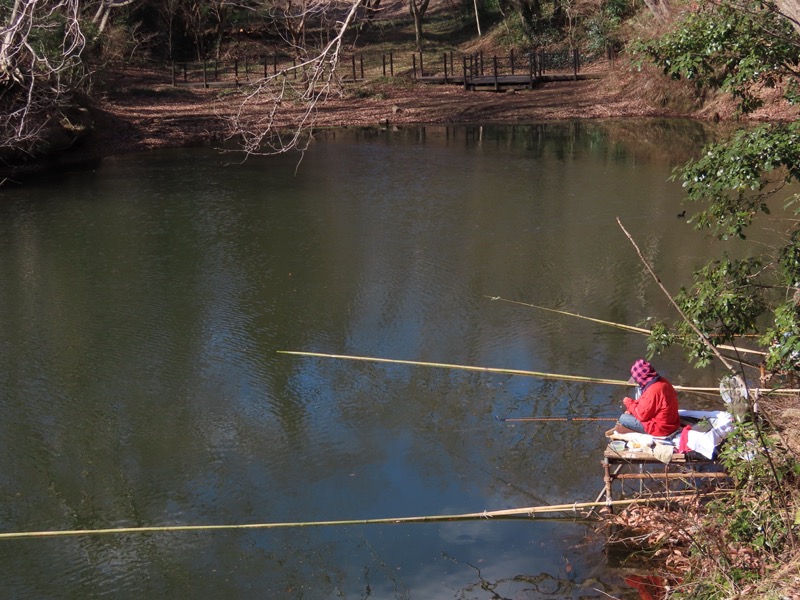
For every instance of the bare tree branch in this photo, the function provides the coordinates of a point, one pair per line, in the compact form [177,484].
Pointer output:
[255,125]
[33,76]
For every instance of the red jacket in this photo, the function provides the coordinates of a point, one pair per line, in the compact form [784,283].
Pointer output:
[657,408]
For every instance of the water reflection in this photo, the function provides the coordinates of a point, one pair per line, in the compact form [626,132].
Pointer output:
[143,306]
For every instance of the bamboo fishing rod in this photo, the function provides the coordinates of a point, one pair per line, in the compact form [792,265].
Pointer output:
[554,376]
[624,327]
[535,419]
[417,363]
[520,513]
[579,316]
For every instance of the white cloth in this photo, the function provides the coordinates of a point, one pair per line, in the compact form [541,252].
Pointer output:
[639,439]
[705,442]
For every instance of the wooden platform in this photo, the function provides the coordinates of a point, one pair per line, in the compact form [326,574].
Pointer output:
[682,472]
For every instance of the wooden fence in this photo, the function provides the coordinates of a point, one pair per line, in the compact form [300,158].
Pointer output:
[473,71]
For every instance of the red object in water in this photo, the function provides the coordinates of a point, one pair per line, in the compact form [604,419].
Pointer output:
[649,588]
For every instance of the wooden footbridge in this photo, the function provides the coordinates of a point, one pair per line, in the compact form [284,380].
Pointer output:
[520,70]
[500,73]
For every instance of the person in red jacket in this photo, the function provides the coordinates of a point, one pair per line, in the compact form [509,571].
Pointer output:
[655,412]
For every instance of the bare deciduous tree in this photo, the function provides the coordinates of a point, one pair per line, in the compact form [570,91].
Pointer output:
[417,8]
[104,9]
[40,46]
[256,123]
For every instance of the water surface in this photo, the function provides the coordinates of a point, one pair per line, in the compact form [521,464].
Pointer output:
[143,305]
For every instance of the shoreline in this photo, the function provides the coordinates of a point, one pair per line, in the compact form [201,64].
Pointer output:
[174,117]
[138,111]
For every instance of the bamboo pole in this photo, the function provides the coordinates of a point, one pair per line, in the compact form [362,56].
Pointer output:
[672,301]
[622,326]
[569,314]
[461,367]
[530,511]
[554,376]
[533,419]
[739,376]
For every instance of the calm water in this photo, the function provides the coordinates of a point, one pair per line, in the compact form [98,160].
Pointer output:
[143,305]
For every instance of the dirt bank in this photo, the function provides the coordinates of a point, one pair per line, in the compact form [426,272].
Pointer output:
[139,112]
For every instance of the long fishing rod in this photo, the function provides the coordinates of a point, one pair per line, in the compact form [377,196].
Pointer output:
[622,326]
[536,419]
[569,314]
[530,512]
[555,376]
[417,363]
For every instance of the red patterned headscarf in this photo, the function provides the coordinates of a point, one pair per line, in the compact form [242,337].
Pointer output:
[642,373]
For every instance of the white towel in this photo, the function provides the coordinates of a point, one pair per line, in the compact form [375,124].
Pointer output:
[705,442]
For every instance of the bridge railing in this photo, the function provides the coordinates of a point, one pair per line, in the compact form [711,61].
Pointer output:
[445,67]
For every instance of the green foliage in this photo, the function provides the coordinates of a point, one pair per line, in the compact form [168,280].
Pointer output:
[734,180]
[764,477]
[729,47]
[515,33]
[660,338]
[783,339]
[725,301]
[736,177]
[748,528]
[603,28]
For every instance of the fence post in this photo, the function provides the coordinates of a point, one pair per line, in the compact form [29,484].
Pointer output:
[353,64]
[444,60]
[452,72]
[531,60]
[512,61]
[414,65]
[383,57]
[496,86]
[216,69]
[575,59]
[421,67]
[236,71]
[246,70]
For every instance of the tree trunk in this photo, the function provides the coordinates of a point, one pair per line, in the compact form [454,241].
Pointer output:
[659,8]
[7,70]
[791,10]
[417,9]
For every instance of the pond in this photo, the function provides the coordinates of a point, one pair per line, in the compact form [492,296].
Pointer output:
[144,306]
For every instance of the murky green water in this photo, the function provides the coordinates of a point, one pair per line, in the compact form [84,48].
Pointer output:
[143,305]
